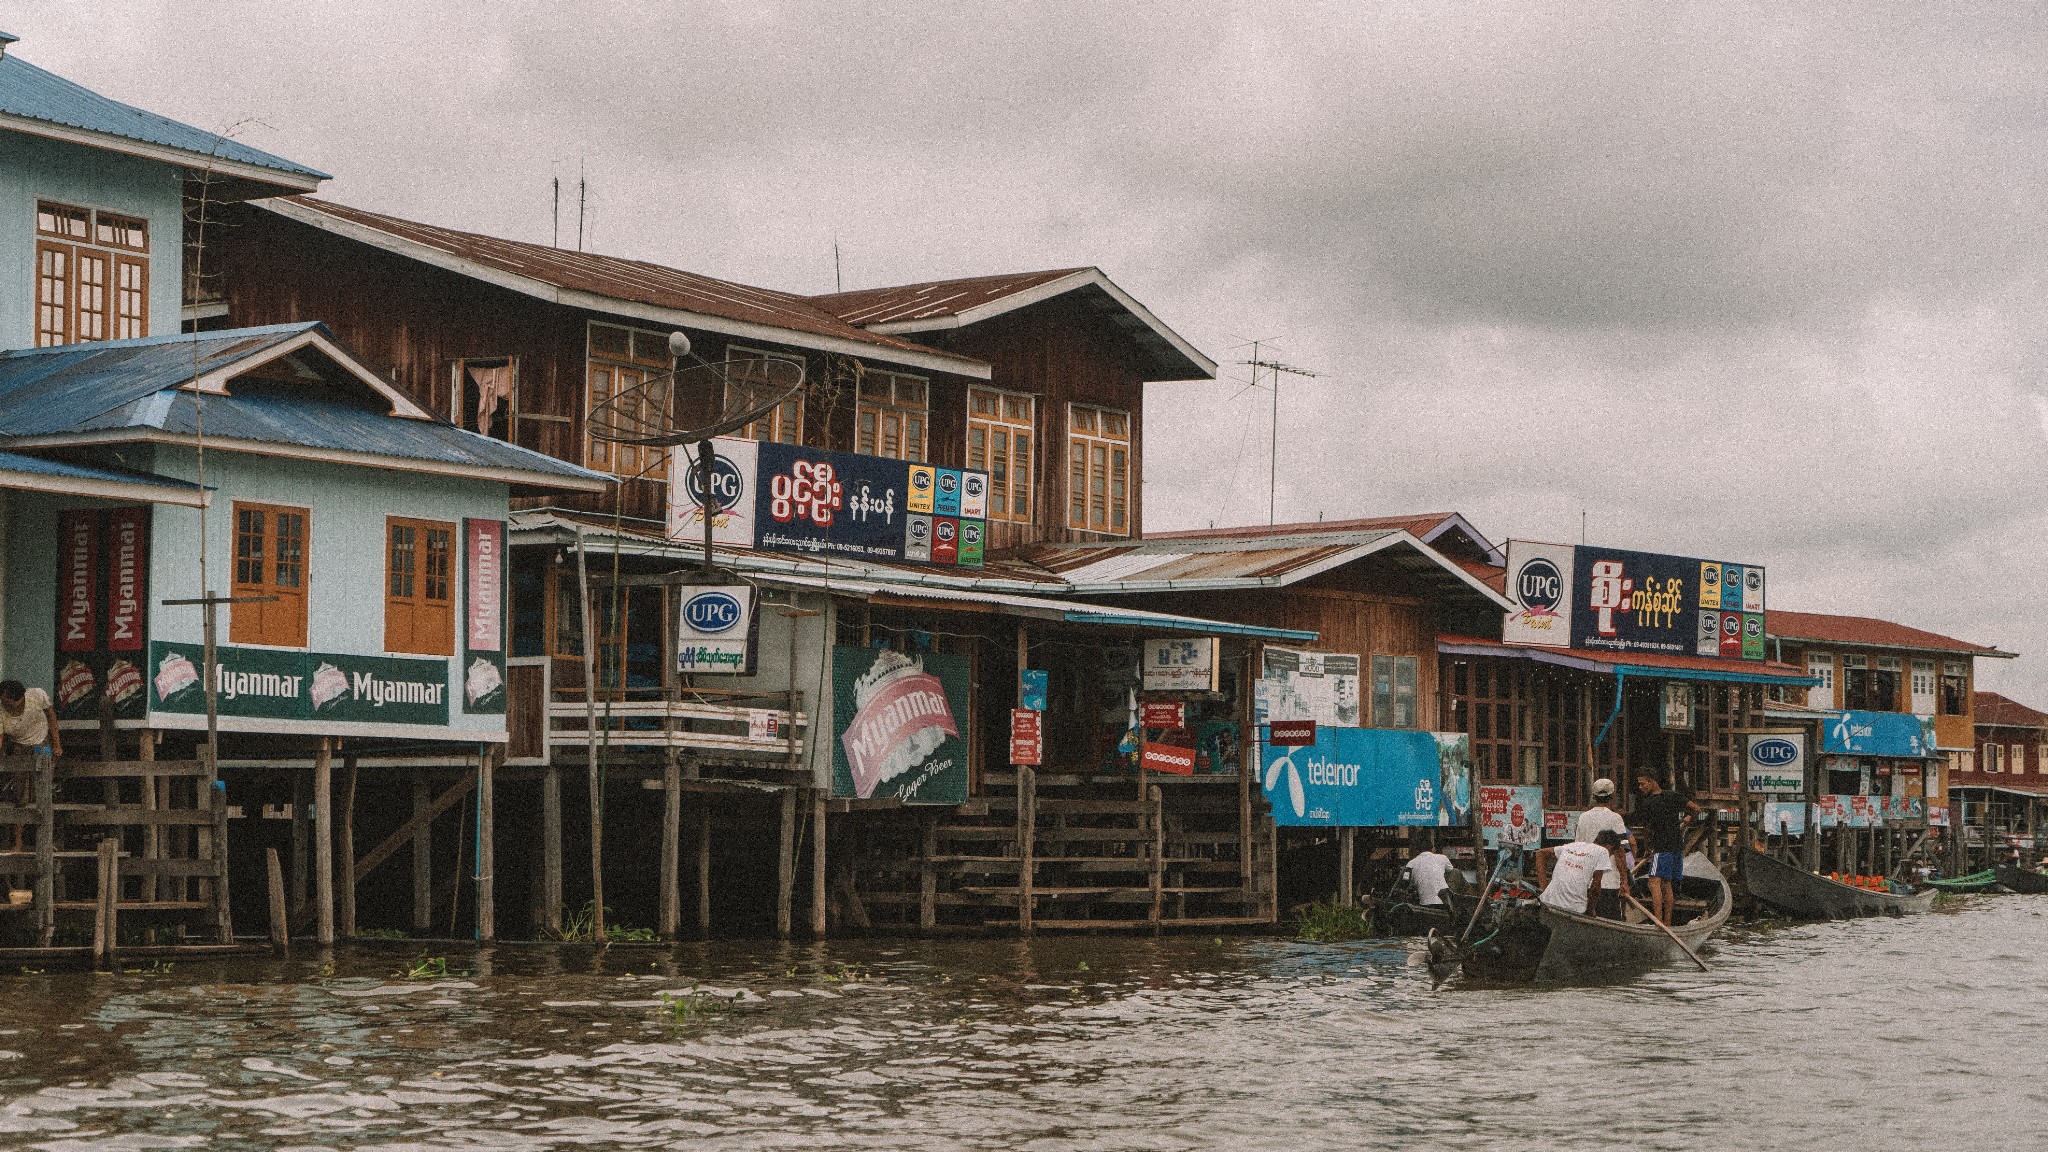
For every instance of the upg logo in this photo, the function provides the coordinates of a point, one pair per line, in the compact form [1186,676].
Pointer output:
[727,485]
[1539,587]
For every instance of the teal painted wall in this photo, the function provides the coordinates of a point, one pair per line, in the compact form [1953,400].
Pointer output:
[33,168]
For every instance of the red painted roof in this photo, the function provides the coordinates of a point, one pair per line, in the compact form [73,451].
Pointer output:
[1674,662]
[2001,712]
[933,298]
[633,281]
[1866,632]
[1495,578]
[1416,525]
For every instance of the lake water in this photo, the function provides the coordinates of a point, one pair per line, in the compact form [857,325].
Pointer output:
[1906,1034]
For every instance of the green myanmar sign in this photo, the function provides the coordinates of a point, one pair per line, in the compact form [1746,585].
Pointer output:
[270,685]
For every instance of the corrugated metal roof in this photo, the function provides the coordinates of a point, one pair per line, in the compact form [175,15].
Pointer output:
[1447,532]
[1866,632]
[79,390]
[31,93]
[1139,565]
[2004,712]
[933,298]
[14,463]
[1669,665]
[621,279]
[1040,608]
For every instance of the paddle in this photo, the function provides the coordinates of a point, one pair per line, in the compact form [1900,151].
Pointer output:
[1663,927]
[1481,906]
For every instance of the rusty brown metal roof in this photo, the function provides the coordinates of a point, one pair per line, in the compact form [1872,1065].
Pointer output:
[634,282]
[1995,711]
[1865,631]
[933,298]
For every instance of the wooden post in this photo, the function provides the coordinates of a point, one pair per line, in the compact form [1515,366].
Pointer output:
[1248,767]
[280,916]
[785,863]
[104,900]
[345,842]
[818,842]
[1027,837]
[590,745]
[46,844]
[704,869]
[486,849]
[422,856]
[323,843]
[551,846]
[302,839]
[1157,817]
[671,847]
[928,875]
[152,839]
[1347,840]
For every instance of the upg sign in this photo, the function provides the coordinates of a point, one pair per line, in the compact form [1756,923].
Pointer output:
[1539,586]
[713,612]
[1774,752]
[727,485]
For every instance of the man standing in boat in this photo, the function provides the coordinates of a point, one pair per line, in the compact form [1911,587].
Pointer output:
[1602,817]
[1571,886]
[1664,814]
[1430,870]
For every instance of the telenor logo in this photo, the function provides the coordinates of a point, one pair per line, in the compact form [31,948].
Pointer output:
[1774,752]
[712,612]
[1539,586]
[727,486]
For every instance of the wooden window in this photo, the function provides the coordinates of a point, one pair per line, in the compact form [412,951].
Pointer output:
[1001,433]
[1393,692]
[270,560]
[1955,688]
[89,283]
[1991,752]
[419,588]
[1098,469]
[752,385]
[891,416]
[1821,666]
[2016,758]
[484,396]
[620,361]
[1870,689]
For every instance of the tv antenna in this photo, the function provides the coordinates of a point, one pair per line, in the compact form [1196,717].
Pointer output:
[719,398]
[1273,441]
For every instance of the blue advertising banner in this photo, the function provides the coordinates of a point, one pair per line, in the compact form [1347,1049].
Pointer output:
[865,507]
[1361,778]
[1893,734]
[1645,602]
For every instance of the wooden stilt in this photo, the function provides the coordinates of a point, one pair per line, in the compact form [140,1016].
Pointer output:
[302,841]
[486,852]
[785,864]
[671,847]
[596,763]
[105,900]
[217,858]
[818,842]
[1027,839]
[345,842]
[551,849]
[46,843]
[152,835]
[704,870]
[323,843]
[928,875]
[280,916]
[422,857]
[1157,849]
[1347,839]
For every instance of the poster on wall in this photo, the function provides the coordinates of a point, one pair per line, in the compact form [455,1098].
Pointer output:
[1784,818]
[1776,763]
[714,629]
[1511,816]
[1540,584]
[1647,602]
[897,733]
[278,684]
[1890,734]
[1454,778]
[483,638]
[102,612]
[1300,685]
[1355,778]
[1181,664]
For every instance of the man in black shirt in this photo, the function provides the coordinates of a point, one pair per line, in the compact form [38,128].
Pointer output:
[1664,814]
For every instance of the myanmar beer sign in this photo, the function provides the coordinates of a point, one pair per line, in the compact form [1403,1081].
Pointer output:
[270,684]
[898,732]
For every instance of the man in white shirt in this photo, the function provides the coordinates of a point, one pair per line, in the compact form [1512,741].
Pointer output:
[1572,885]
[1430,869]
[1602,817]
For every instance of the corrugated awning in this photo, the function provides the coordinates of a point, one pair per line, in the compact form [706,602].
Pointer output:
[1030,607]
[1644,664]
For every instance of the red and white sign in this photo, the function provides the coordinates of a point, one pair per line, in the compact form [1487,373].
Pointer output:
[127,579]
[1167,758]
[1291,733]
[894,708]
[486,585]
[1557,825]
[1027,743]
[1162,714]
[78,615]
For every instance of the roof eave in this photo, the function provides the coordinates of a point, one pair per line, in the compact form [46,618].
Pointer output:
[286,183]
[1988,653]
[183,495]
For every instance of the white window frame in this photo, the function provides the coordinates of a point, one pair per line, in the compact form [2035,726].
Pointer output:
[1821,665]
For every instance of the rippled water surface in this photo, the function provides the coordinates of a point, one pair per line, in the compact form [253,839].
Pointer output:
[1920,1033]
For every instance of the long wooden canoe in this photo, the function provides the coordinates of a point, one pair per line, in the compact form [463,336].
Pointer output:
[1983,881]
[1554,947]
[2022,880]
[1797,892]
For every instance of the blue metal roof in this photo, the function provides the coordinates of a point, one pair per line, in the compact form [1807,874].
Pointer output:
[63,469]
[31,93]
[117,385]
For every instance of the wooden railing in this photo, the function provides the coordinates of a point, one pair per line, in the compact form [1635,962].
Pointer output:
[709,720]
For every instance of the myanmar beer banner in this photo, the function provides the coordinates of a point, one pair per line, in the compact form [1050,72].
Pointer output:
[483,635]
[899,721]
[102,611]
[1367,778]
[270,684]
[1621,601]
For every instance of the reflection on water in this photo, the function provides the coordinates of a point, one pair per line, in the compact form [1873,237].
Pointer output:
[1893,1034]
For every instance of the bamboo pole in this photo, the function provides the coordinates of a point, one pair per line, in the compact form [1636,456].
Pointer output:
[704,869]
[422,856]
[671,846]
[551,846]
[818,842]
[785,864]
[486,844]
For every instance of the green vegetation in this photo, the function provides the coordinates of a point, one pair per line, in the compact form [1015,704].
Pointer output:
[1332,923]
[580,927]
[691,1007]
[425,967]
[381,934]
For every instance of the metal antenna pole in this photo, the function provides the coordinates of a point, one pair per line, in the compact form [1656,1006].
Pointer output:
[1273,434]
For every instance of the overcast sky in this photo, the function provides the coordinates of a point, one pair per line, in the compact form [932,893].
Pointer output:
[1754,283]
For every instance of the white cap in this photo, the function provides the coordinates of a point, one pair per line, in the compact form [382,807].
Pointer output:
[1603,787]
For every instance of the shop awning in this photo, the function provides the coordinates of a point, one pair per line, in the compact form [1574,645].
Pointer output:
[1032,607]
[1635,664]
[2022,793]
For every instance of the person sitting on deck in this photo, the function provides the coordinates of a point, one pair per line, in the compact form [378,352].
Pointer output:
[1430,870]
[1664,814]
[1571,886]
[27,723]
[1602,817]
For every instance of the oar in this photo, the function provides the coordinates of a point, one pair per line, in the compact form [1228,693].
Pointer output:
[1663,927]
[1481,906]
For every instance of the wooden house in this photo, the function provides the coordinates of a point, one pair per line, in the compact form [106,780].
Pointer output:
[1997,798]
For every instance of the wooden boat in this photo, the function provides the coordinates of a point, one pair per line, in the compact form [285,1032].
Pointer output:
[1797,892]
[1984,881]
[2023,880]
[1533,941]
[1403,919]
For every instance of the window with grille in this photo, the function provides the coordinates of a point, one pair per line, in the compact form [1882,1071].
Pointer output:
[750,383]
[1001,432]
[892,416]
[620,360]
[419,588]
[1486,707]
[1098,469]
[92,275]
[270,561]
[1393,692]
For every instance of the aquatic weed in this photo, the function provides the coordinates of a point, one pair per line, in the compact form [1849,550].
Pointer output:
[580,927]
[426,967]
[1332,923]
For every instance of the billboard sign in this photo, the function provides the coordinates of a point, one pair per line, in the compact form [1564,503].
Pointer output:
[1511,816]
[1300,685]
[1354,778]
[1892,734]
[734,468]
[897,732]
[102,618]
[714,629]
[1776,763]
[483,634]
[1646,602]
[1539,581]
[1181,664]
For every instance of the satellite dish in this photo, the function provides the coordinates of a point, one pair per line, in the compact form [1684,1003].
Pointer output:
[699,400]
